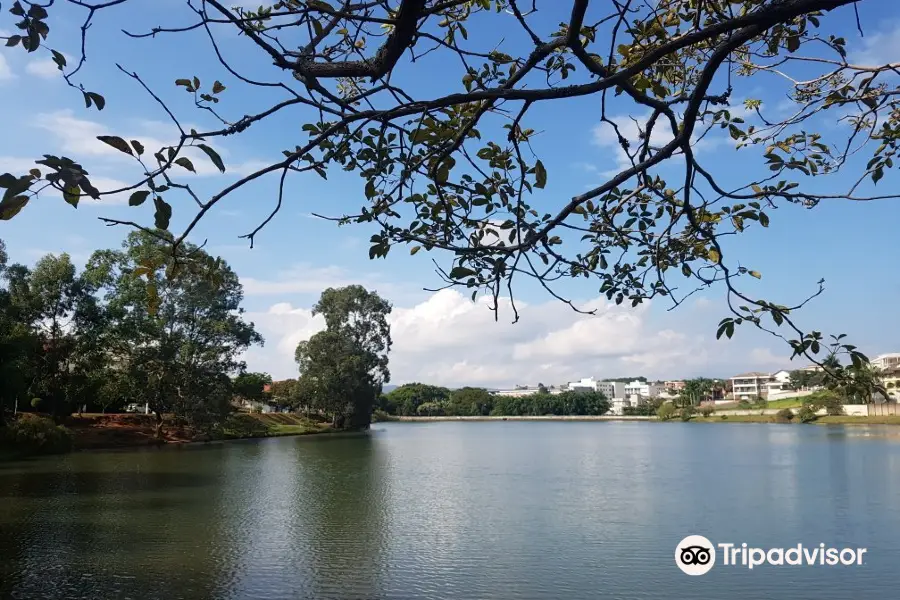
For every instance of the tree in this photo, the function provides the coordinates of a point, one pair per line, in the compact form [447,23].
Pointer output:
[695,391]
[407,398]
[343,368]
[175,325]
[456,168]
[252,386]
[470,402]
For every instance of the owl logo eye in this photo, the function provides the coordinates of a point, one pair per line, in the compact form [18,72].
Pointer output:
[695,555]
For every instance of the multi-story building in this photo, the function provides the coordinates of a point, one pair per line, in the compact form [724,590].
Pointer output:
[778,383]
[611,389]
[587,384]
[887,362]
[673,387]
[749,386]
[644,389]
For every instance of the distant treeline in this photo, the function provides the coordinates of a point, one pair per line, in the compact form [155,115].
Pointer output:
[419,399]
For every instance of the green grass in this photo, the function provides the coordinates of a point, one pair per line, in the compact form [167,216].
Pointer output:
[270,425]
[786,403]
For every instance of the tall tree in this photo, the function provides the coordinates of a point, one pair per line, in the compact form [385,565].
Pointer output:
[344,367]
[176,324]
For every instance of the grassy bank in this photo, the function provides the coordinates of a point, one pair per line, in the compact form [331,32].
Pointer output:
[823,420]
[32,434]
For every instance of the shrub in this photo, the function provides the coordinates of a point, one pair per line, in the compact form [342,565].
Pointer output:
[706,410]
[31,434]
[379,416]
[686,413]
[723,417]
[761,402]
[743,404]
[666,411]
[785,415]
[806,414]
[828,400]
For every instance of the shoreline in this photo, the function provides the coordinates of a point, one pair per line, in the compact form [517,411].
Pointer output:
[716,418]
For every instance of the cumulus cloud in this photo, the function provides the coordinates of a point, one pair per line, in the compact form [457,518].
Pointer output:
[880,48]
[78,137]
[5,72]
[448,339]
[44,68]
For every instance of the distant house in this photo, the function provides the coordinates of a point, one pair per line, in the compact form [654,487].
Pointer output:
[887,362]
[750,386]
[673,387]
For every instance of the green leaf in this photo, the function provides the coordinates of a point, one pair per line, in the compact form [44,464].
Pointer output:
[10,207]
[186,163]
[755,274]
[59,59]
[218,87]
[460,272]
[117,143]
[184,82]
[713,256]
[213,156]
[370,189]
[163,213]
[138,147]
[13,40]
[72,194]
[414,249]
[97,99]
[138,198]
[540,175]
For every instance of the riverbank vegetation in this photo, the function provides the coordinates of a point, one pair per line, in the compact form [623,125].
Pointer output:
[418,399]
[142,328]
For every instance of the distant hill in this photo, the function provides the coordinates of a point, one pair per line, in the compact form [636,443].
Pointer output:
[387,388]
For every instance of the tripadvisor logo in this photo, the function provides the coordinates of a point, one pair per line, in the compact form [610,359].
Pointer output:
[696,555]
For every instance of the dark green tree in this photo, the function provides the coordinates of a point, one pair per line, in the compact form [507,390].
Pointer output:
[343,368]
[252,386]
[175,325]
[470,402]
[406,399]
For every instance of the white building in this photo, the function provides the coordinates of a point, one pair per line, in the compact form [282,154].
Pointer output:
[748,386]
[587,384]
[887,362]
[611,389]
[517,392]
[644,389]
[778,383]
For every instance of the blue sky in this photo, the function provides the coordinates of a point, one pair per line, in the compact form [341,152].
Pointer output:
[439,337]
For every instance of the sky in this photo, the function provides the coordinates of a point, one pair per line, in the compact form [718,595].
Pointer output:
[440,337]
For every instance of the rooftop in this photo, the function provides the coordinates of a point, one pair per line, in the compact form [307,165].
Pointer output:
[751,375]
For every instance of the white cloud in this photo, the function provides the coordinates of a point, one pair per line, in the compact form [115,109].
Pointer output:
[448,339]
[5,71]
[300,279]
[306,278]
[79,138]
[765,357]
[44,68]
[880,48]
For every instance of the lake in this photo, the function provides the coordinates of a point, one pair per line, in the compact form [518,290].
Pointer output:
[500,510]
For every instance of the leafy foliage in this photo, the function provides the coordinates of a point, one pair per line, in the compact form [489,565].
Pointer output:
[456,169]
[666,411]
[806,414]
[343,368]
[137,325]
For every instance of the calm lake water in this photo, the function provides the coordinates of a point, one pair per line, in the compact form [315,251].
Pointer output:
[507,511]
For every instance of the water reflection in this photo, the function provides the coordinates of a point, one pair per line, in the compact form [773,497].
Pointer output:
[457,511]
